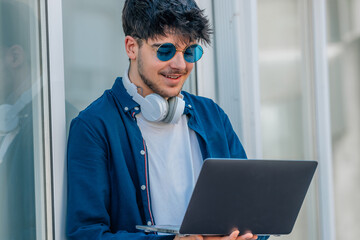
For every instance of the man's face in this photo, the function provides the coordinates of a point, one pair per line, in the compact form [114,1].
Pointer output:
[164,78]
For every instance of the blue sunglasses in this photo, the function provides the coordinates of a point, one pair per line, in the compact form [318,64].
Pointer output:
[167,51]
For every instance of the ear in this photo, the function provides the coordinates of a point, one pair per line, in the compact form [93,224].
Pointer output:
[15,56]
[131,47]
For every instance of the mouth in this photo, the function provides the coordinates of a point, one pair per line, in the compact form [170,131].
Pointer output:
[172,76]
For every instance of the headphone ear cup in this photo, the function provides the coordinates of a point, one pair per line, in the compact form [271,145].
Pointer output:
[154,108]
[176,110]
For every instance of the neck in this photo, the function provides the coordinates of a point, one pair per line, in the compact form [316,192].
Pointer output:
[135,78]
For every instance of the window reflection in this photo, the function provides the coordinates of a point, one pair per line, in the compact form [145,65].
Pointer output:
[19,86]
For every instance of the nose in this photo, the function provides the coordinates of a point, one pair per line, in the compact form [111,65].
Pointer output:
[178,61]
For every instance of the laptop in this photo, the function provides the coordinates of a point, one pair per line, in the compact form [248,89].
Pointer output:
[260,196]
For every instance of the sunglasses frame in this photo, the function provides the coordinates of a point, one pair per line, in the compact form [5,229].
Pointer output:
[177,50]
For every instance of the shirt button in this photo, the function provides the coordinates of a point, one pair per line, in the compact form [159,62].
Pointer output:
[143,187]
[136,108]
[142,152]
[189,106]
[126,108]
[149,223]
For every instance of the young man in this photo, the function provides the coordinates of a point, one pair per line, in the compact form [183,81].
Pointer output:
[135,153]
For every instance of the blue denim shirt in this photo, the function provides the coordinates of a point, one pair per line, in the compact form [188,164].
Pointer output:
[108,183]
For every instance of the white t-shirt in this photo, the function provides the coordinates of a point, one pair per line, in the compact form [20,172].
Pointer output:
[174,164]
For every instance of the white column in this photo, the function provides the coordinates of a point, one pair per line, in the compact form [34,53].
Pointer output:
[323,127]
[249,75]
[205,68]
[57,111]
[236,61]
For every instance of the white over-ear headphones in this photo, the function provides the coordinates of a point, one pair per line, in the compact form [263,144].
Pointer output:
[9,119]
[155,108]
[9,122]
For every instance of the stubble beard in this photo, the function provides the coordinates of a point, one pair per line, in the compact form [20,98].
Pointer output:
[150,84]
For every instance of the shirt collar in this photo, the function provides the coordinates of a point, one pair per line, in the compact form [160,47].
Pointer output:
[188,105]
[125,100]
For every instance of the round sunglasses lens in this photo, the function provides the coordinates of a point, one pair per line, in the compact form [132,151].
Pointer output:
[193,53]
[166,51]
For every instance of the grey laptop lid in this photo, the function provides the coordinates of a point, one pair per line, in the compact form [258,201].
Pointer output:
[261,196]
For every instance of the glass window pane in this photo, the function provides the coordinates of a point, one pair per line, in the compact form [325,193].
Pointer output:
[344,75]
[286,96]
[22,192]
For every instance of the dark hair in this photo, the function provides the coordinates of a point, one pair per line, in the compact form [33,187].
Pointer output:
[148,19]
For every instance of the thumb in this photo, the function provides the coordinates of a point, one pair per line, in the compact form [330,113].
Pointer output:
[247,236]
[234,235]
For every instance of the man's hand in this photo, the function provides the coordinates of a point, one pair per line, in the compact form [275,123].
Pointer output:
[233,236]
[191,237]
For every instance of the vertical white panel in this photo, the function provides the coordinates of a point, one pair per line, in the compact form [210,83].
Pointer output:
[206,68]
[323,128]
[236,60]
[41,128]
[249,88]
[312,219]
[58,126]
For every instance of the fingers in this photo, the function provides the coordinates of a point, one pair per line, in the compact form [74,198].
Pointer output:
[199,237]
[191,237]
[247,236]
[233,235]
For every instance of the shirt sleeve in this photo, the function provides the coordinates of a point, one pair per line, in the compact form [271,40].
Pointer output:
[89,190]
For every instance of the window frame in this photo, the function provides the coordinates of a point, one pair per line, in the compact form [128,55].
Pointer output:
[57,116]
